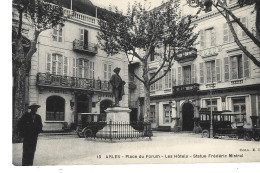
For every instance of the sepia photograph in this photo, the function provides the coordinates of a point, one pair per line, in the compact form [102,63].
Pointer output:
[113,82]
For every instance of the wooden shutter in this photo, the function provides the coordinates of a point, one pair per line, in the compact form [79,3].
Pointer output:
[213,37]
[85,68]
[105,71]
[244,22]
[226,68]
[74,73]
[65,66]
[202,39]
[174,77]
[81,37]
[161,80]
[59,33]
[91,70]
[48,63]
[60,65]
[179,76]
[225,32]
[202,73]
[54,33]
[231,37]
[77,67]
[246,66]
[193,75]
[218,75]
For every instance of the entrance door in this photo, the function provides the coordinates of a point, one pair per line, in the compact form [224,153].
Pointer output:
[187,117]
[103,106]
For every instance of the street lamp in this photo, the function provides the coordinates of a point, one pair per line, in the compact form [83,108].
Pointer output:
[211,115]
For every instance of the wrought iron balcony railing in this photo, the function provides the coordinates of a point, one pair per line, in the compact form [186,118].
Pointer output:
[51,80]
[183,90]
[88,47]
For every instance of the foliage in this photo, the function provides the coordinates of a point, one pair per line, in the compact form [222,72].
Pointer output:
[147,30]
[143,32]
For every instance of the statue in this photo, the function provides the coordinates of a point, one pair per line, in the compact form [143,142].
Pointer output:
[118,86]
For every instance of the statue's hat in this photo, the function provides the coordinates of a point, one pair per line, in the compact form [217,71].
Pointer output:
[117,69]
[34,105]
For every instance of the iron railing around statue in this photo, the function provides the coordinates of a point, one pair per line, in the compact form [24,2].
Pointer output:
[117,130]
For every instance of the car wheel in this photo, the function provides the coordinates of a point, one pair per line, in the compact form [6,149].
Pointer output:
[88,133]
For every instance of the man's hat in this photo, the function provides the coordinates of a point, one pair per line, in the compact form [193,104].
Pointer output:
[117,69]
[34,105]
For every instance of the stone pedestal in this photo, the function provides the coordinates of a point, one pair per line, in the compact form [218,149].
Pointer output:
[118,114]
[118,124]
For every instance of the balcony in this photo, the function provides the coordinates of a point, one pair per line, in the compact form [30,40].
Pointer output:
[67,82]
[185,90]
[185,56]
[89,48]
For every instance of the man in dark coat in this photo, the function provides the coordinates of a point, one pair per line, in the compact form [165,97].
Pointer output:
[30,125]
[118,86]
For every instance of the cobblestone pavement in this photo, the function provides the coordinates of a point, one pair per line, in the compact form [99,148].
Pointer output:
[165,147]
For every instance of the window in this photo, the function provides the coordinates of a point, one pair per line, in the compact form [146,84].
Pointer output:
[227,34]
[83,68]
[210,71]
[55,108]
[152,87]
[57,64]
[244,22]
[57,33]
[212,106]
[167,112]
[236,67]
[187,75]
[239,106]
[208,38]
[168,80]
[201,72]
[83,38]
[107,71]
[152,114]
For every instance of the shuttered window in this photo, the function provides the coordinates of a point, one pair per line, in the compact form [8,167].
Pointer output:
[174,77]
[193,73]
[244,22]
[56,64]
[226,68]
[57,33]
[107,71]
[211,71]
[202,39]
[218,72]
[201,73]
[179,76]
[83,68]
[225,32]
[246,66]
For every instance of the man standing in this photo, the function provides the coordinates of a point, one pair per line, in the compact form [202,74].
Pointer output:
[118,86]
[30,125]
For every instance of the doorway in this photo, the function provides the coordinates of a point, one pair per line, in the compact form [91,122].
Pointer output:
[187,117]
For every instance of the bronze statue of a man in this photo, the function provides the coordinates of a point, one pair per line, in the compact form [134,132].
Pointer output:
[118,86]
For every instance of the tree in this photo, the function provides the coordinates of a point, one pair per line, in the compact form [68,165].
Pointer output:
[226,12]
[143,32]
[41,16]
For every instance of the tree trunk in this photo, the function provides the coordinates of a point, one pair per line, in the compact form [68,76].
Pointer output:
[19,76]
[147,104]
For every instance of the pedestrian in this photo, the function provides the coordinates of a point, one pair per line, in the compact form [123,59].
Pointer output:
[30,125]
[118,86]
